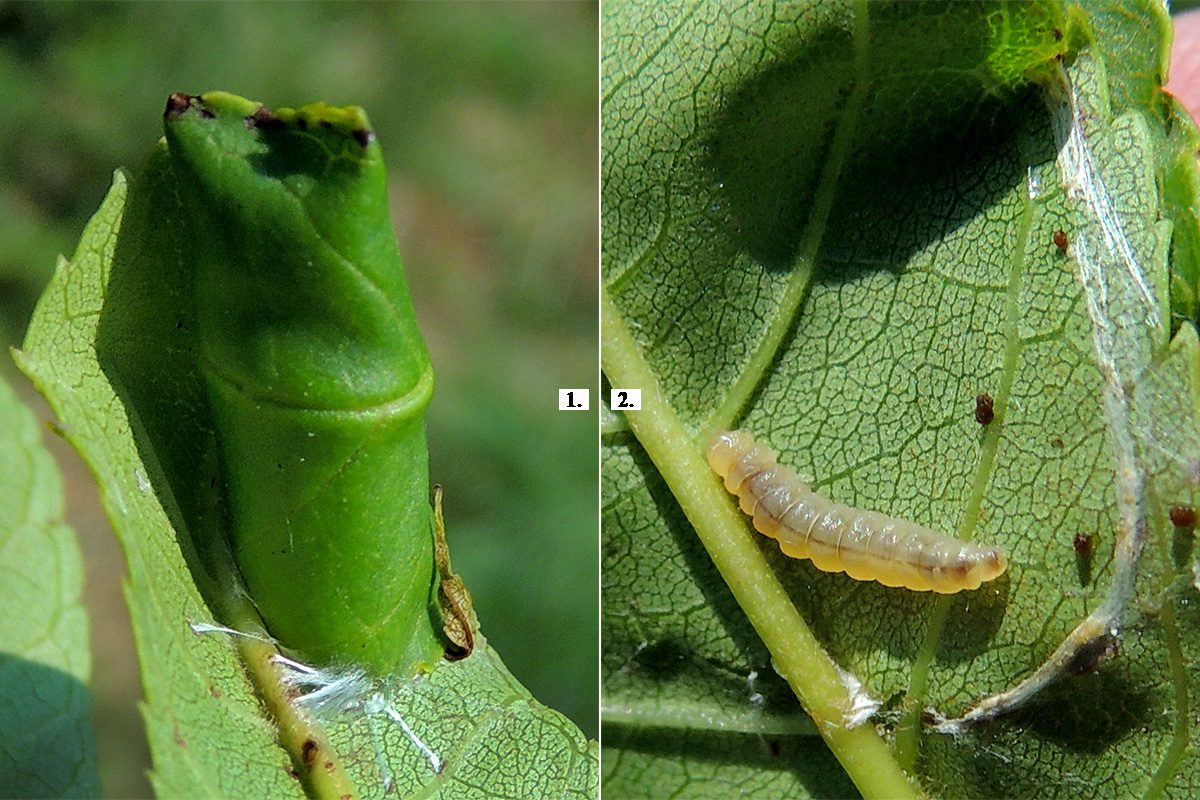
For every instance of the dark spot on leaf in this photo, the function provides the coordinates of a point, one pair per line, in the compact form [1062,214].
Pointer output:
[264,119]
[1057,441]
[984,410]
[215,692]
[1085,545]
[177,103]
[363,136]
[1091,655]
[179,325]
[1183,516]
[1183,542]
[1057,34]
[664,658]
[308,751]
[1061,241]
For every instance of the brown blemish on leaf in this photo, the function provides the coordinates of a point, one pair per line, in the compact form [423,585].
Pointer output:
[1061,241]
[1090,656]
[458,618]
[1085,545]
[1056,441]
[264,119]
[984,409]
[177,103]
[1183,516]
[308,751]
[215,692]
[180,102]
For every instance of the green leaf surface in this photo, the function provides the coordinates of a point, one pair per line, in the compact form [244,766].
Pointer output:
[111,346]
[316,375]
[206,731]
[833,225]
[47,748]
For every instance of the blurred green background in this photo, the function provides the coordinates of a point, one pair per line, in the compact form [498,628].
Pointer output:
[487,114]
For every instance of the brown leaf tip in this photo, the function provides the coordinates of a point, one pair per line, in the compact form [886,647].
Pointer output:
[265,119]
[177,103]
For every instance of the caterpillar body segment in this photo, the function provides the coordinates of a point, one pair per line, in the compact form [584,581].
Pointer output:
[866,545]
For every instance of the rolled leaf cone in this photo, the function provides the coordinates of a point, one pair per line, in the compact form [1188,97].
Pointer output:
[317,376]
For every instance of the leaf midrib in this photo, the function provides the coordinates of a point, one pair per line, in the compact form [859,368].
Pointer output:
[810,242]
[908,729]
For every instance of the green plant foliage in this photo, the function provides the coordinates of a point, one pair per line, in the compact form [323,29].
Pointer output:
[488,120]
[316,374]
[47,748]
[116,345]
[833,225]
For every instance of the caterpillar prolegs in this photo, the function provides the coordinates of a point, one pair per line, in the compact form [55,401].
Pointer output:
[866,545]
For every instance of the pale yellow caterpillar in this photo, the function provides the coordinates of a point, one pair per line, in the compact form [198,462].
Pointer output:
[866,545]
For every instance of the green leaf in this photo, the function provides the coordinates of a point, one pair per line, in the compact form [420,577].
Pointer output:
[317,377]
[833,226]
[198,699]
[47,748]
[114,347]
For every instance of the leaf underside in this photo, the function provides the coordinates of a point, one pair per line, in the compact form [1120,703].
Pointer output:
[47,747]
[930,276]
